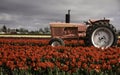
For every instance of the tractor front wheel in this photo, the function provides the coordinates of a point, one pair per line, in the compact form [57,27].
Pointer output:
[56,42]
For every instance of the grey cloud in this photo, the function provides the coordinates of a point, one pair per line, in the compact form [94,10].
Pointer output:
[34,14]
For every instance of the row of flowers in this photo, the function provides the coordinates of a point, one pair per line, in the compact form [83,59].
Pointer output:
[24,41]
[47,60]
[40,42]
[37,42]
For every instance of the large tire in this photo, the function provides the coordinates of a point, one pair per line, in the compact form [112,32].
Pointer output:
[101,35]
[56,42]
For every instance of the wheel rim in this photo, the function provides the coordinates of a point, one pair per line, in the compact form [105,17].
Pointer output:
[102,37]
[55,43]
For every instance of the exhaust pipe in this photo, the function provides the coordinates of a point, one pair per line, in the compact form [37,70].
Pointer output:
[67,17]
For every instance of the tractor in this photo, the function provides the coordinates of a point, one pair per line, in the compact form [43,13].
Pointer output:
[97,33]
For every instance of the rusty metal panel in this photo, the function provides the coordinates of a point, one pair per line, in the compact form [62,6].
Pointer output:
[63,25]
[71,32]
[56,31]
[67,30]
[64,32]
[82,28]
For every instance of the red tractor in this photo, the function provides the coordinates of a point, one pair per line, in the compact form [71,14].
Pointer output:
[98,33]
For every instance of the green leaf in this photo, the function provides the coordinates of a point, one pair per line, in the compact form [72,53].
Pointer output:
[92,72]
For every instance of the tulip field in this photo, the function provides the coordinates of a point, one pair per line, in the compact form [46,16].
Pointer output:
[22,56]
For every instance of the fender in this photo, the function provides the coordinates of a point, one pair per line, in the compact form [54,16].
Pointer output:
[95,21]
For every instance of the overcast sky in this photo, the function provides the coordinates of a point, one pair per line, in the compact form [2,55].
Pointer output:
[34,14]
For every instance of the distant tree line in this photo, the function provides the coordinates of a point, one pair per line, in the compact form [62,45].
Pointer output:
[46,30]
[5,30]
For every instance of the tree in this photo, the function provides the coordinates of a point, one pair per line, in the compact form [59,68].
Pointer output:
[41,30]
[47,30]
[4,29]
[23,31]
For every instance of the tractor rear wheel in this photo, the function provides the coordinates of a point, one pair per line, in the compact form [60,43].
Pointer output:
[101,35]
[56,42]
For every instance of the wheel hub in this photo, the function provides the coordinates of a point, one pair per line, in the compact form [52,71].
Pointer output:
[102,37]
[55,43]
